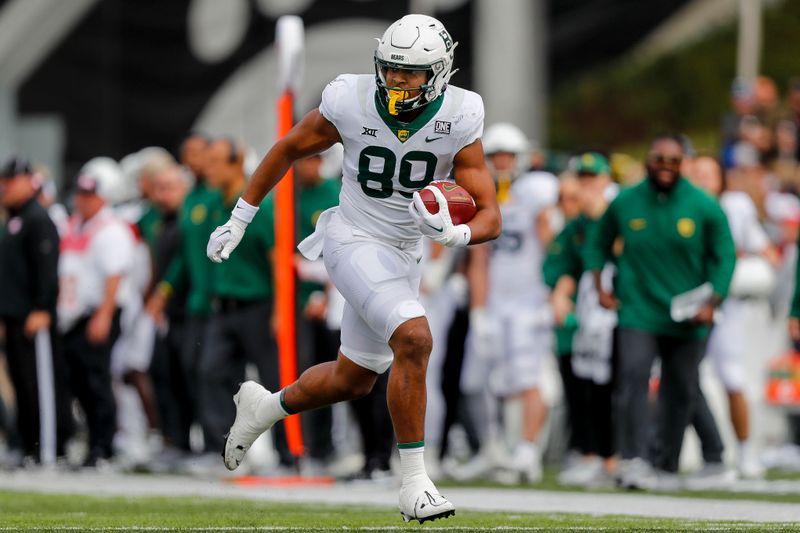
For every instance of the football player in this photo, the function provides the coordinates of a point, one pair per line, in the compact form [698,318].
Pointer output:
[401,129]
[510,334]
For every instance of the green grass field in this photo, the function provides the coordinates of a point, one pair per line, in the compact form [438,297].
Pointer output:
[60,513]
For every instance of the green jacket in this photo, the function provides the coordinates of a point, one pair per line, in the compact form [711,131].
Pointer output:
[149,226]
[247,274]
[191,270]
[672,243]
[564,258]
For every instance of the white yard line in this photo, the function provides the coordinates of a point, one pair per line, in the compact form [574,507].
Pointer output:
[472,499]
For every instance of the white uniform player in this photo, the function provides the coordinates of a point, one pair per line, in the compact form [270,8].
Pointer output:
[510,331]
[727,342]
[517,293]
[753,277]
[401,129]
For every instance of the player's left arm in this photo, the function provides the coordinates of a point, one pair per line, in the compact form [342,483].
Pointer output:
[470,171]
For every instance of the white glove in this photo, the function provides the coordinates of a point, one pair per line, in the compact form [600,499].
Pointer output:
[485,334]
[438,227]
[226,237]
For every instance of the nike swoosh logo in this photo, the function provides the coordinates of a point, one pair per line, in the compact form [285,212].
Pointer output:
[434,227]
[431,139]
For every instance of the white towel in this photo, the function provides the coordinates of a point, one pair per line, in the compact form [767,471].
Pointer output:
[311,246]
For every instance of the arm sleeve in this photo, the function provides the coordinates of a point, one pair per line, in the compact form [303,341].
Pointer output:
[721,252]
[41,247]
[600,238]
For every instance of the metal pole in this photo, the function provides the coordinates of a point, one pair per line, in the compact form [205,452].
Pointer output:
[509,51]
[748,53]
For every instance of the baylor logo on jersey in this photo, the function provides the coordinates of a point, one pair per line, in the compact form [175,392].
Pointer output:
[403,135]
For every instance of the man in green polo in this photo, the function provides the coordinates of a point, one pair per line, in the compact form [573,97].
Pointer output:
[242,293]
[675,239]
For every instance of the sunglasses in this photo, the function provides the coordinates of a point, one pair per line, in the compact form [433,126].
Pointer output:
[662,159]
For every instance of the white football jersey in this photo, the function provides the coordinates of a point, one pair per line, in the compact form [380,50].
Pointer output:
[517,255]
[385,160]
[748,234]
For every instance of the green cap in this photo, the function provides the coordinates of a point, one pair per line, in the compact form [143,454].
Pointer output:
[590,163]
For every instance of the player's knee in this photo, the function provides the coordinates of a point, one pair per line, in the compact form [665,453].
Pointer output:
[412,342]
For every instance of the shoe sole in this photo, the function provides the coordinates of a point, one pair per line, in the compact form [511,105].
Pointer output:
[444,514]
[228,434]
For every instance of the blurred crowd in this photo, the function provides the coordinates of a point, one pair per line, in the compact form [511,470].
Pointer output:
[564,341]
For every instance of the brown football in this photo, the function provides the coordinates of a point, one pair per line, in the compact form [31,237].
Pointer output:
[459,201]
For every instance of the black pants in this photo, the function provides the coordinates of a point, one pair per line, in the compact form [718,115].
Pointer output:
[235,336]
[193,337]
[170,381]
[21,357]
[680,359]
[377,434]
[316,344]
[577,414]
[90,380]
[707,431]
[454,408]
[589,411]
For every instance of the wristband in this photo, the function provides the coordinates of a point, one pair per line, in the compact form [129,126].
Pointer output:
[244,211]
[462,234]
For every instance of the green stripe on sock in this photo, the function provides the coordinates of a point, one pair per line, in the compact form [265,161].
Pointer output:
[408,445]
[283,404]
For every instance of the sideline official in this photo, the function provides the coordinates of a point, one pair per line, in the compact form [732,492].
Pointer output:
[28,291]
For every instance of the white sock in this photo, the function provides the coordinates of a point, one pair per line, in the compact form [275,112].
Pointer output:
[271,410]
[412,463]
[744,448]
[527,450]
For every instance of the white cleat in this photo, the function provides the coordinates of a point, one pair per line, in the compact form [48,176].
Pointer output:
[246,428]
[422,502]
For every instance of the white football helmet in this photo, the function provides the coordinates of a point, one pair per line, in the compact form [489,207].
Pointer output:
[106,175]
[415,42]
[504,137]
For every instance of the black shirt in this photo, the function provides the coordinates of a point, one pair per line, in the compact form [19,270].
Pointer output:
[167,247]
[28,262]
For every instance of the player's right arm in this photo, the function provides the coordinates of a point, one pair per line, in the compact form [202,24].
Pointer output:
[313,134]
